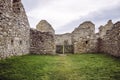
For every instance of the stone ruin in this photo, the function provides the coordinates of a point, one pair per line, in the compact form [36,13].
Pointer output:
[110,41]
[17,38]
[14,29]
[84,38]
[64,40]
[42,39]
[44,26]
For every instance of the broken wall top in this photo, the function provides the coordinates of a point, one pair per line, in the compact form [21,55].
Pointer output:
[44,26]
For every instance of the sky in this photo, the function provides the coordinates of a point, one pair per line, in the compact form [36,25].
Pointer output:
[65,15]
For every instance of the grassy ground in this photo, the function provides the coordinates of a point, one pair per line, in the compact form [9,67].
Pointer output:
[70,67]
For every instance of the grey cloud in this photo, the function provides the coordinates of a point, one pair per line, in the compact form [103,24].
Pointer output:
[98,17]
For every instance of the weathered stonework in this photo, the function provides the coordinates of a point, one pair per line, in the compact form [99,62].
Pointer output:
[41,42]
[16,37]
[110,43]
[44,26]
[42,39]
[103,29]
[64,40]
[60,39]
[84,39]
[14,29]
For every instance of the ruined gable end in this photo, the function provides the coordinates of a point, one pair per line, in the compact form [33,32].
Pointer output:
[44,26]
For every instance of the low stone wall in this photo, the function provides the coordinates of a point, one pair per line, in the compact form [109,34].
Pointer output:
[61,39]
[41,42]
[111,42]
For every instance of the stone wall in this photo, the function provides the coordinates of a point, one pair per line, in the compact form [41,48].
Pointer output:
[41,42]
[84,38]
[64,40]
[103,29]
[61,39]
[16,37]
[44,26]
[14,29]
[110,43]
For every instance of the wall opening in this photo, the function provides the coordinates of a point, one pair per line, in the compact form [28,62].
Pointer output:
[12,42]
[86,42]
[67,49]
[20,42]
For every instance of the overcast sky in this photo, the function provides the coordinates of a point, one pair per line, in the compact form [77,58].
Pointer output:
[65,15]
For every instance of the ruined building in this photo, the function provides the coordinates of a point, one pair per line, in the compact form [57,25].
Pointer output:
[81,40]
[84,38]
[14,29]
[17,38]
[110,41]
[42,39]
[44,26]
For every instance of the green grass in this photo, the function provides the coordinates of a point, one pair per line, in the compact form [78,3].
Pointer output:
[70,67]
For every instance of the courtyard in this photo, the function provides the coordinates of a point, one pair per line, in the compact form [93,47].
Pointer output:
[61,67]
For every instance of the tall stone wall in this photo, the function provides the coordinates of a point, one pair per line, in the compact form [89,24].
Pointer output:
[84,38]
[110,43]
[14,29]
[41,42]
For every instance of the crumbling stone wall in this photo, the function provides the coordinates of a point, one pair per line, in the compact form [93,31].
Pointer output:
[110,43]
[44,26]
[16,37]
[103,29]
[41,42]
[84,38]
[14,29]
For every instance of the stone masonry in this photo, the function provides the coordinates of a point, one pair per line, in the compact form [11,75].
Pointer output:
[110,42]
[42,39]
[103,29]
[44,26]
[41,42]
[61,38]
[14,29]
[84,38]
[16,37]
